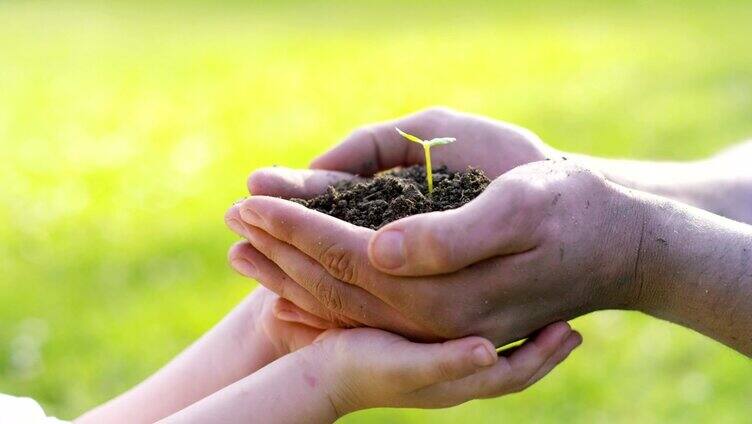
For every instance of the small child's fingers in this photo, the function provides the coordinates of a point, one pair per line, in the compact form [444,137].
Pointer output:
[488,383]
[284,310]
[421,365]
[533,354]
[570,343]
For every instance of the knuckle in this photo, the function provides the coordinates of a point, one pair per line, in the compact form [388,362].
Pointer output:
[444,371]
[276,220]
[527,193]
[326,293]
[270,250]
[531,198]
[333,300]
[340,263]
[362,133]
[436,112]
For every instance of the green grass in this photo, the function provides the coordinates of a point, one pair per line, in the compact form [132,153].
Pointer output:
[126,131]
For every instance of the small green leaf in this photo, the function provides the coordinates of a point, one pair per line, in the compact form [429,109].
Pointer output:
[409,136]
[441,140]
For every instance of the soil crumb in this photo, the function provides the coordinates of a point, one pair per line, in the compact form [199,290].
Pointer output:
[395,194]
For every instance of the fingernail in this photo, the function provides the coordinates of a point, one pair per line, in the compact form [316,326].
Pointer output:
[483,357]
[287,315]
[252,217]
[389,249]
[244,267]
[236,226]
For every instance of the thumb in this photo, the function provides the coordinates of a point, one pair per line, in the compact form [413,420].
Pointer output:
[378,146]
[496,223]
[426,364]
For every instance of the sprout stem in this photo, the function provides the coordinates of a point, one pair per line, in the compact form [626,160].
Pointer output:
[429,169]
[427,144]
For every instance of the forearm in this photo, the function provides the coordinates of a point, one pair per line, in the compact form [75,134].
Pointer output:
[289,390]
[228,352]
[721,185]
[695,268]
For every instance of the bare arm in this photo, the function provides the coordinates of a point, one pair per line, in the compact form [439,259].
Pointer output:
[289,390]
[695,268]
[721,184]
[233,349]
[350,370]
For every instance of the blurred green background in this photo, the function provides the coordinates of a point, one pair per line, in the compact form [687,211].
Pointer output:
[127,129]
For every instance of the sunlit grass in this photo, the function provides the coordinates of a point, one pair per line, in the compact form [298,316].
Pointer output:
[127,130]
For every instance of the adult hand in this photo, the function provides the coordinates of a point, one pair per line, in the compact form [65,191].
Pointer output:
[596,245]
[493,146]
[545,242]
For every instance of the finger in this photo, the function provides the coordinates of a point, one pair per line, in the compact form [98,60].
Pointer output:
[532,355]
[284,310]
[378,147]
[419,365]
[504,377]
[288,183]
[341,298]
[496,223]
[234,222]
[298,336]
[570,343]
[513,372]
[338,246]
[249,262]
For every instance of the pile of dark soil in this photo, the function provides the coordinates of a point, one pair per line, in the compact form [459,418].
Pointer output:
[392,195]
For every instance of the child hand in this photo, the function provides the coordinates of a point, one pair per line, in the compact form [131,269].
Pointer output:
[347,370]
[281,326]
[367,368]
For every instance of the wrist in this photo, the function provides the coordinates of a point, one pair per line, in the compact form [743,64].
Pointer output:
[324,372]
[245,326]
[635,269]
[651,263]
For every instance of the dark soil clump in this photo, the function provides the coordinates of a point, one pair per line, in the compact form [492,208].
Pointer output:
[392,195]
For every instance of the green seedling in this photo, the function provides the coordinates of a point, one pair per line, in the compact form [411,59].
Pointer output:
[427,144]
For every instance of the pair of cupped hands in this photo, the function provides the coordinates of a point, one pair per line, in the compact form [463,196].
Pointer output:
[541,245]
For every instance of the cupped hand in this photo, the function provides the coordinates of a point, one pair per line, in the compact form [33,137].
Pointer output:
[483,143]
[367,368]
[546,242]
[280,323]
